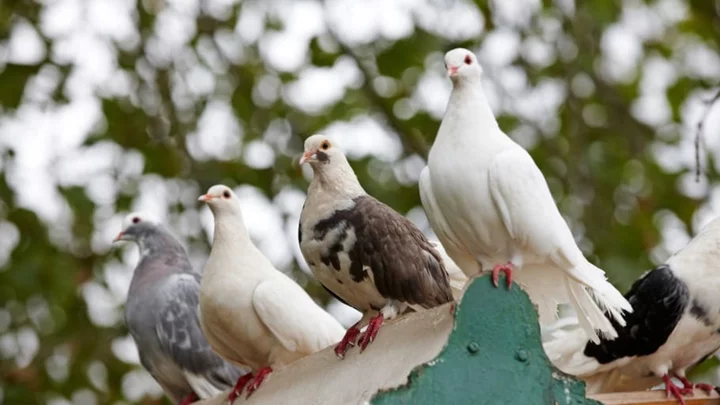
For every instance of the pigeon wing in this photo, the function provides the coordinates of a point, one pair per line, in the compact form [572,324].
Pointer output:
[293,318]
[405,265]
[521,194]
[181,337]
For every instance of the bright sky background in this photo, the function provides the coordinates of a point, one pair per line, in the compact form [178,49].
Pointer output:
[47,138]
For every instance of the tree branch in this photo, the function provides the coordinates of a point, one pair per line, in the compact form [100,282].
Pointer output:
[698,132]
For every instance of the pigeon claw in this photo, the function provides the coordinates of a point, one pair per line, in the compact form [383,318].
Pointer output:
[347,341]
[189,399]
[371,331]
[504,268]
[688,386]
[239,385]
[259,378]
[674,390]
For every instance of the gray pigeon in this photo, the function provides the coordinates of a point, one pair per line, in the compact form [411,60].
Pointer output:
[362,251]
[162,315]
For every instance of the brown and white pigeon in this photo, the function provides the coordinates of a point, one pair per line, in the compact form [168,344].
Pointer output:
[491,208]
[162,315]
[362,251]
[250,312]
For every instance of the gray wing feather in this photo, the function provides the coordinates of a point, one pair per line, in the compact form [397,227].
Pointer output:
[181,337]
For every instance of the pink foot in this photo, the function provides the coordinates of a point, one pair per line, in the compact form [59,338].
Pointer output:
[371,331]
[189,399]
[507,269]
[452,308]
[674,390]
[255,384]
[347,341]
[239,385]
[688,386]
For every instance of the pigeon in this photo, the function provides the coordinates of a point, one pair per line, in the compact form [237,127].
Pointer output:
[362,251]
[674,326]
[252,313]
[491,208]
[161,313]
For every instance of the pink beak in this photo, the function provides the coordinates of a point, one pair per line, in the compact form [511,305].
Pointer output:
[118,237]
[451,70]
[205,198]
[306,156]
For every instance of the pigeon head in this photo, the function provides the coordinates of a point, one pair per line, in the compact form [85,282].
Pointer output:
[330,167]
[220,198]
[320,151]
[135,227]
[462,64]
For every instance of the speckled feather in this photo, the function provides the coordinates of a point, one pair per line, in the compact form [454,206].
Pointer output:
[405,265]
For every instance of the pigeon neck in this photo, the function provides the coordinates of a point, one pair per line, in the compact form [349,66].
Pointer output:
[470,104]
[157,240]
[230,227]
[336,178]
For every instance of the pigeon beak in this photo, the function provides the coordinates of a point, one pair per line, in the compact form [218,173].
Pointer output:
[118,238]
[205,198]
[451,70]
[307,156]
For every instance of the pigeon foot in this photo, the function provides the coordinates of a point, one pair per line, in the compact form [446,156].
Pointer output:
[371,331]
[504,268]
[239,385]
[674,390]
[259,378]
[689,386]
[189,399]
[347,341]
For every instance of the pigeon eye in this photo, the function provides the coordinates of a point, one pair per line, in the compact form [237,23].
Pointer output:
[226,194]
[325,145]
[135,220]
[468,60]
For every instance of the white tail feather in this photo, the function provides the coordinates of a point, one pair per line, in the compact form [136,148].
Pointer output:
[564,343]
[592,295]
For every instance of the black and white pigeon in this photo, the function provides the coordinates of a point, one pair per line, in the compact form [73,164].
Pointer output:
[162,315]
[674,326]
[362,251]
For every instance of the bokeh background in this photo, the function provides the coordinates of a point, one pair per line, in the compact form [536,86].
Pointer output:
[111,106]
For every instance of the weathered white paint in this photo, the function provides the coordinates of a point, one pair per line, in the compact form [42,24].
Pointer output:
[323,379]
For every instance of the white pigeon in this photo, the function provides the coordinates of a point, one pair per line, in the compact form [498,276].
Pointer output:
[364,252]
[250,312]
[491,208]
[674,326]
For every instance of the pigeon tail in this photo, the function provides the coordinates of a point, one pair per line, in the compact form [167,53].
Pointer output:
[597,302]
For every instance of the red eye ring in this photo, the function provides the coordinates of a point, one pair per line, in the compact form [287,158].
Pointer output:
[468,60]
[226,194]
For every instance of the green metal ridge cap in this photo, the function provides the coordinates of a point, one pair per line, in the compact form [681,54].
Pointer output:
[494,355]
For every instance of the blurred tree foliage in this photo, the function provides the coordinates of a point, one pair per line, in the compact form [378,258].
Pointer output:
[599,150]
